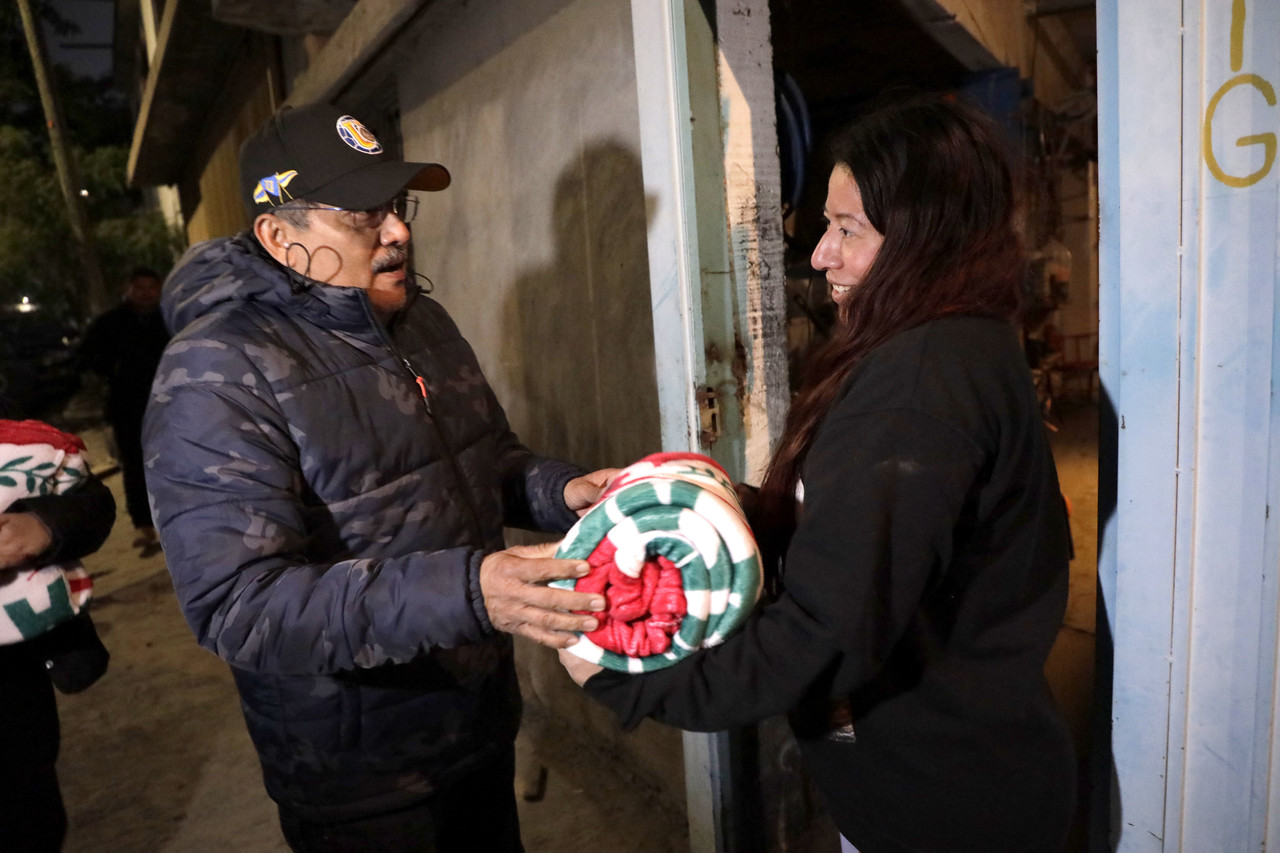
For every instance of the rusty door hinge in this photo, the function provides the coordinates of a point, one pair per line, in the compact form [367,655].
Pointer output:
[709,415]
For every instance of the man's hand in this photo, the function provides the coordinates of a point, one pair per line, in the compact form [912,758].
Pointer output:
[23,537]
[579,670]
[581,493]
[513,583]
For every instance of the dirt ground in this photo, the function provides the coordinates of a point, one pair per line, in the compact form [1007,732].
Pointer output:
[155,757]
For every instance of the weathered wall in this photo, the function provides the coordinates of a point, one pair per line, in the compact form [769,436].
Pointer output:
[753,211]
[538,250]
[220,212]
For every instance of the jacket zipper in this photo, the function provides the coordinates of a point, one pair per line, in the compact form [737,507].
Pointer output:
[468,498]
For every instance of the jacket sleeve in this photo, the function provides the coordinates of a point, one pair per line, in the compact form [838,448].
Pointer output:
[79,520]
[883,493]
[223,473]
[533,495]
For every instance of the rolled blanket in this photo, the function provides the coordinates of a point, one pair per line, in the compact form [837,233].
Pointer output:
[37,459]
[670,549]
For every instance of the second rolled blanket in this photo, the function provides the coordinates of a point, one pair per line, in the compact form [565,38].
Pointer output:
[37,459]
[670,549]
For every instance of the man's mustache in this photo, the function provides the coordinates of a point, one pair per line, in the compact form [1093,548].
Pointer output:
[392,257]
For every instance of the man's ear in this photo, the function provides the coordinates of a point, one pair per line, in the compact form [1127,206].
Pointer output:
[272,235]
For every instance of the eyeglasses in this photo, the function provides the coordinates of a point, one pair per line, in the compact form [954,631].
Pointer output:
[404,206]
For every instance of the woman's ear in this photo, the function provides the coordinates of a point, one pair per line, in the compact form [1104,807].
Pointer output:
[272,236]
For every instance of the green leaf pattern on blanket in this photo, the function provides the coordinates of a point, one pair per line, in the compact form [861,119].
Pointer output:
[41,479]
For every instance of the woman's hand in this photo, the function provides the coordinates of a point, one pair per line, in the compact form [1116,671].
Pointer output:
[23,537]
[581,493]
[579,670]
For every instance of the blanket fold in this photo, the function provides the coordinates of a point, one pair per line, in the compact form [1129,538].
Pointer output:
[671,551]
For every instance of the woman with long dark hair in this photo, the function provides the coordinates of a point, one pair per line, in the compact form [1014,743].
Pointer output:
[925,569]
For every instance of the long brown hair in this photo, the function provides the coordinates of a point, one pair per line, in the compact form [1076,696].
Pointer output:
[936,182]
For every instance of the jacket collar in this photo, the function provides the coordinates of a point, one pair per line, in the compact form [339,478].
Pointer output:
[220,274]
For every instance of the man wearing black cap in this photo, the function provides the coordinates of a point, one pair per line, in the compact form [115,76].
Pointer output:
[331,474]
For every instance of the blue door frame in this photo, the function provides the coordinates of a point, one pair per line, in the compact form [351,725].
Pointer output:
[1189,553]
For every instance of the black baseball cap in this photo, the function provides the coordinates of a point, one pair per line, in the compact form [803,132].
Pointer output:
[319,153]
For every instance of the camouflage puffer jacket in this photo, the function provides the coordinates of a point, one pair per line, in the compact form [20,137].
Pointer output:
[324,525]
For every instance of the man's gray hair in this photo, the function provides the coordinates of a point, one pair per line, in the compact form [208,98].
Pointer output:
[299,216]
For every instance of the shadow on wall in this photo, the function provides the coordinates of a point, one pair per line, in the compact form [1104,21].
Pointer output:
[579,333]
[581,329]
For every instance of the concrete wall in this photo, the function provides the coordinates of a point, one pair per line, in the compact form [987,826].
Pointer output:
[539,251]
[753,210]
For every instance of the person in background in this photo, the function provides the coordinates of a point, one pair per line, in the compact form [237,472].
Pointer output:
[925,569]
[123,346]
[331,475]
[37,531]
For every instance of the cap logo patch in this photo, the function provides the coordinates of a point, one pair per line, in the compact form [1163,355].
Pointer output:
[273,187]
[358,136]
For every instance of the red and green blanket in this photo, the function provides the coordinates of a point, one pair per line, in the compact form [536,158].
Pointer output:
[671,551]
[37,459]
